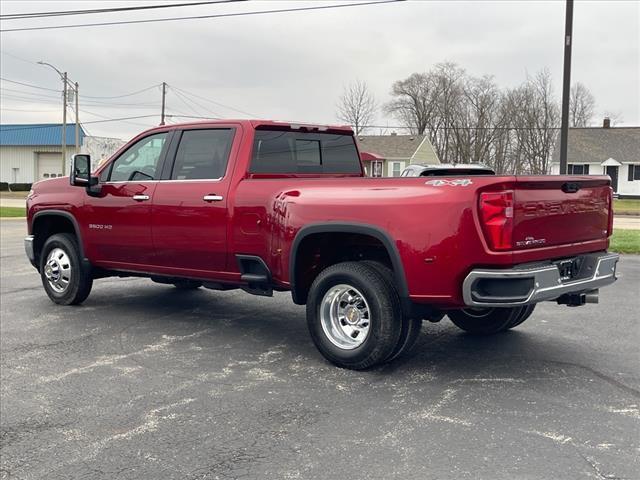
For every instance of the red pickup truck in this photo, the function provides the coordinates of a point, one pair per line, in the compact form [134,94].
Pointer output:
[264,206]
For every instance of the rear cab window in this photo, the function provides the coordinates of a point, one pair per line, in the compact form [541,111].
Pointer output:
[293,152]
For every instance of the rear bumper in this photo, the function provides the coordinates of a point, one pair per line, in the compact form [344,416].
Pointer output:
[28,248]
[533,283]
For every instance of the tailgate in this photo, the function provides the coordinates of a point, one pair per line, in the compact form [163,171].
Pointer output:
[558,210]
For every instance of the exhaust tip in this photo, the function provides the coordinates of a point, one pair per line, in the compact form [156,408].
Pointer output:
[578,299]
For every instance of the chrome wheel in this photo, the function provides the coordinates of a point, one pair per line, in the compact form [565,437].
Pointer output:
[345,316]
[57,270]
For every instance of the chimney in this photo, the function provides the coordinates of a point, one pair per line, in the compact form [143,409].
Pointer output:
[606,123]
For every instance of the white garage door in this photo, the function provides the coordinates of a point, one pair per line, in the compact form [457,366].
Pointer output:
[49,165]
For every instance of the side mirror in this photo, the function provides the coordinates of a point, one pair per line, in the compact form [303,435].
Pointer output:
[81,171]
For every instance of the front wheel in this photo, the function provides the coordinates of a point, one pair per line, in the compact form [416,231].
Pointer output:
[485,321]
[354,315]
[66,279]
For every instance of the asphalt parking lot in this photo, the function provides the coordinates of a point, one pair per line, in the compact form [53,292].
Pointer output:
[144,381]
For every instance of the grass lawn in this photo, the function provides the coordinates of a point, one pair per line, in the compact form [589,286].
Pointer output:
[14,194]
[12,212]
[627,206]
[625,241]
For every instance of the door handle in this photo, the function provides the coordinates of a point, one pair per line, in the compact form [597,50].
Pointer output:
[141,198]
[213,198]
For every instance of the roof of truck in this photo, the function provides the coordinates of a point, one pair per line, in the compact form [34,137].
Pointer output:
[257,123]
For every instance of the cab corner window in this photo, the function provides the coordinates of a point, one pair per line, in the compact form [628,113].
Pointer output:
[202,154]
[141,161]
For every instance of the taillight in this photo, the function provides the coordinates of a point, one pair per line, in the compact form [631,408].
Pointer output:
[496,215]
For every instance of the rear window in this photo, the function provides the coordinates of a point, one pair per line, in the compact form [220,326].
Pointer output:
[300,152]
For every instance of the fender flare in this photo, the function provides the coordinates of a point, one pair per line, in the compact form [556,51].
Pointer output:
[358,228]
[68,216]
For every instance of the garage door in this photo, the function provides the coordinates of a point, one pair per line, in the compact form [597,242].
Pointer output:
[49,165]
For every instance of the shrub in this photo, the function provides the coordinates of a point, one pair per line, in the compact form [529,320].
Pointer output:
[4,186]
[20,187]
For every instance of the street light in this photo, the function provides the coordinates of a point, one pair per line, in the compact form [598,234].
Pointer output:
[65,83]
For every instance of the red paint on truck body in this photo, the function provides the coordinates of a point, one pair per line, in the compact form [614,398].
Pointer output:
[437,230]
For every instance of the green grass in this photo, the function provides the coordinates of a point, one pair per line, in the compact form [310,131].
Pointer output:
[14,194]
[625,241]
[628,206]
[12,212]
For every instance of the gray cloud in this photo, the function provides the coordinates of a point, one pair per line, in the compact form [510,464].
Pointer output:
[293,66]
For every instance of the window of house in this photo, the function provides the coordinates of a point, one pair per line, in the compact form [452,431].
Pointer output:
[139,162]
[276,151]
[578,169]
[396,169]
[634,172]
[202,154]
[376,168]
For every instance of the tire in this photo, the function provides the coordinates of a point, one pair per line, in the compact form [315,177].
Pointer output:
[411,327]
[65,277]
[485,321]
[354,315]
[187,284]
[526,313]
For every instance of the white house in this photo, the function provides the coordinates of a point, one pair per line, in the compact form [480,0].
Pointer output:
[390,154]
[32,152]
[606,150]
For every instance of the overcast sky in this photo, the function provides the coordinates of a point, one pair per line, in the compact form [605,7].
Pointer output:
[294,65]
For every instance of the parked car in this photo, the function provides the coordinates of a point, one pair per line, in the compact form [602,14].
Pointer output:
[266,206]
[446,169]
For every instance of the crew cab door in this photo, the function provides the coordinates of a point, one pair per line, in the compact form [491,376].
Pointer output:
[190,214]
[119,216]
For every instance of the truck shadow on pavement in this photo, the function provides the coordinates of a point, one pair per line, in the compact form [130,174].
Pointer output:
[254,325]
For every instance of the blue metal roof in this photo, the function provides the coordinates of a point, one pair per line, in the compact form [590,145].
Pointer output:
[34,134]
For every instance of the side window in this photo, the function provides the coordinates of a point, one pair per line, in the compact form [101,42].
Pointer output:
[202,154]
[140,161]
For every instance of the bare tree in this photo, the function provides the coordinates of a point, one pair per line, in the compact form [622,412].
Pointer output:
[412,103]
[581,106]
[357,106]
[470,119]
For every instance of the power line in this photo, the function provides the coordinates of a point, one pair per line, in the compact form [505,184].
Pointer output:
[27,110]
[30,94]
[38,98]
[17,57]
[28,99]
[52,125]
[125,95]
[18,16]
[29,84]
[109,118]
[200,17]
[184,99]
[213,101]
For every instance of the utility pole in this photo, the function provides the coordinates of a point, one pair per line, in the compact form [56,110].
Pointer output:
[64,122]
[566,86]
[77,121]
[164,94]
